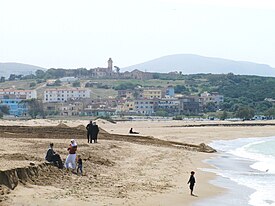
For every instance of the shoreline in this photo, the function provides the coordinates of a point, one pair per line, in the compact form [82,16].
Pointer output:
[236,173]
[230,190]
[167,168]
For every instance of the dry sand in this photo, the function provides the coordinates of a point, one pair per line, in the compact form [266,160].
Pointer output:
[117,172]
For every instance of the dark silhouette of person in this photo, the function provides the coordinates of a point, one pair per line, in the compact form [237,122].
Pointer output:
[89,128]
[132,132]
[192,182]
[52,156]
[79,165]
[95,131]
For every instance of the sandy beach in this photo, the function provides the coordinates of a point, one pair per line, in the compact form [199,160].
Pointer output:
[117,172]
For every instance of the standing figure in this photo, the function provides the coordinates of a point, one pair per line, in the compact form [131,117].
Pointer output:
[95,131]
[52,156]
[79,165]
[89,128]
[192,182]
[72,155]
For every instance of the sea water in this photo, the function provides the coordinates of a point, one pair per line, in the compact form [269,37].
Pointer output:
[247,169]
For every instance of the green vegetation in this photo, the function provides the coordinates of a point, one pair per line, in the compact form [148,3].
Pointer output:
[76,84]
[32,84]
[126,85]
[35,107]
[4,110]
[245,112]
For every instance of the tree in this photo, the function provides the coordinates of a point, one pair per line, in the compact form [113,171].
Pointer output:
[76,84]
[270,112]
[210,107]
[117,69]
[39,74]
[57,83]
[156,76]
[3,79]
[12,77]
[125,85]
[35,107]
[162,113]
[224,115]
[245,112]
[4,109]
[32,84]
[180,89]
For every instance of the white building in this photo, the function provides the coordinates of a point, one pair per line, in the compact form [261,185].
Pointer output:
[63,95]
[169,104]
[144,106]
[68,79]
[17,94]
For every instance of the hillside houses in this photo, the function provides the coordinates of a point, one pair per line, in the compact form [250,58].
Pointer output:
[138,101]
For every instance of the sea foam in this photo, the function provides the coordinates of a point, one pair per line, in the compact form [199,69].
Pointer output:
[259,174]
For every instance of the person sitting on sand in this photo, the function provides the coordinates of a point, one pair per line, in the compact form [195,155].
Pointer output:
[192,182]
[72,155]
[132,132]
[79,165]
[52,156]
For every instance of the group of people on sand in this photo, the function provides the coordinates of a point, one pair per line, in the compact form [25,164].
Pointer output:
[92,132]
[70,162]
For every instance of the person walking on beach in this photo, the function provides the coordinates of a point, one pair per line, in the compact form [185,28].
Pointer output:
[72,155]
[95,131]
[192,182]
[52,156]
[89,128]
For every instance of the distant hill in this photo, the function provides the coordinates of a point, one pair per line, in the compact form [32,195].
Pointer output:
[194,64]
[16,68]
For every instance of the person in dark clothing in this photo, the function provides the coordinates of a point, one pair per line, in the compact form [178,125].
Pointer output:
[52,156]
[89,128]
[79,165]
[192,182]
[95,131]
[132,132]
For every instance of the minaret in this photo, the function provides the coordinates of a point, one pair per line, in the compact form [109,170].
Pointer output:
[110,64]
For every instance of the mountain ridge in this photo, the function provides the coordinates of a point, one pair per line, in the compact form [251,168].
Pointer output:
[8,68]
[193,64]
[185,63]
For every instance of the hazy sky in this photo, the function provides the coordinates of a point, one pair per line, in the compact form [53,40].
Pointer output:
[85,33]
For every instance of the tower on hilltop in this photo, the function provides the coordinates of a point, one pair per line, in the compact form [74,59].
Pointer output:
[110,64]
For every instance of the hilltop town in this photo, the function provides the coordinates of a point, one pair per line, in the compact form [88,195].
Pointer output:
[107,92]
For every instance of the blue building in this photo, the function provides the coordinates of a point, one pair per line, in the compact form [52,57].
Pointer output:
[16,107]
